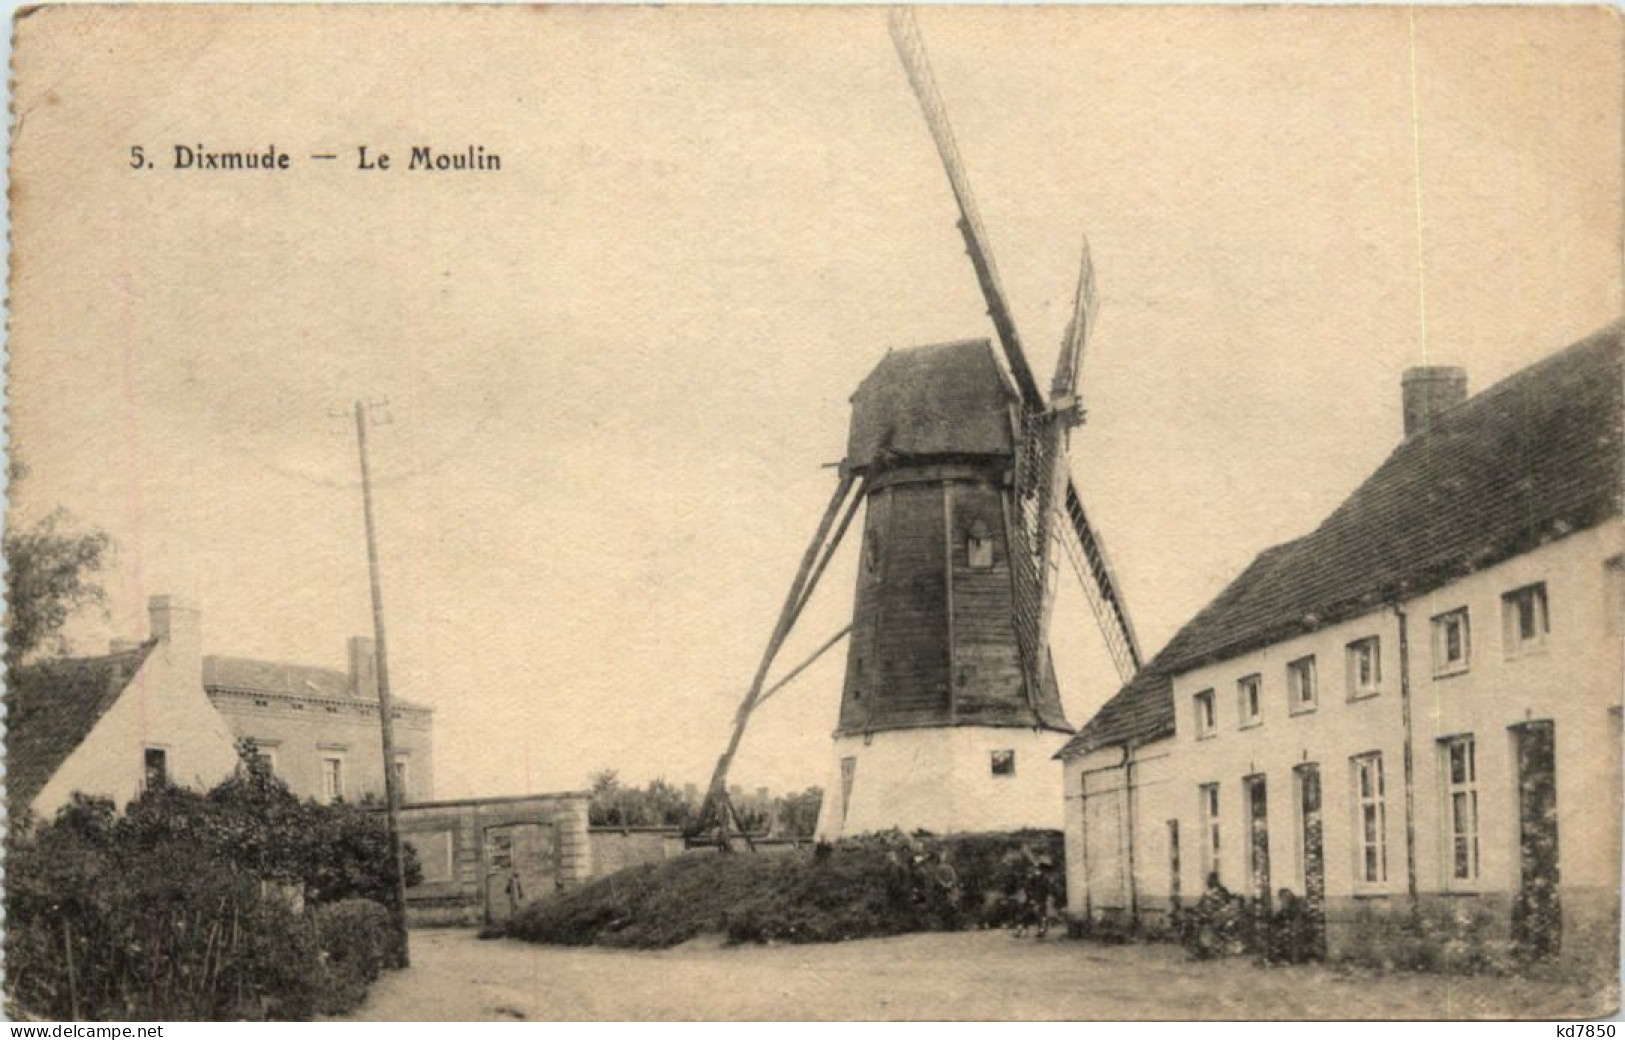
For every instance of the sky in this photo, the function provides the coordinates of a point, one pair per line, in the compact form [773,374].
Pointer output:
[618,370]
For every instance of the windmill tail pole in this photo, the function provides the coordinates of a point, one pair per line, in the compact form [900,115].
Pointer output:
[716,798]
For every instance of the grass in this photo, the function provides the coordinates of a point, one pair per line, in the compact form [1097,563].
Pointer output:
[877,885]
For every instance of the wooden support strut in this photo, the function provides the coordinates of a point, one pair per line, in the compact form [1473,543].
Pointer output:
[717,803]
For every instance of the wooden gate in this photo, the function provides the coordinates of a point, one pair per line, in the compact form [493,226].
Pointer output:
[1103,858]
[521,864]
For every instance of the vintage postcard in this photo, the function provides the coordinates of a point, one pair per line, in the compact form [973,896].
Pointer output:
[598,513]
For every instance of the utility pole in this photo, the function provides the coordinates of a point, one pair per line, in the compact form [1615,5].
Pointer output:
[386,713]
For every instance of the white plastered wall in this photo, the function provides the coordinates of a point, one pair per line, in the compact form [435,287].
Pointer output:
[940,780]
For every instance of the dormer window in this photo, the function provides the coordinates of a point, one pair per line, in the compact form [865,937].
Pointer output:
[980,542]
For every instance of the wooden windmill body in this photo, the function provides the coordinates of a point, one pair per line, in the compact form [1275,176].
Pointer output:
[949,708]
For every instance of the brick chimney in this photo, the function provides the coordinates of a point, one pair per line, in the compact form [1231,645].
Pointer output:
[363,668]
[1429,391]
[177,623]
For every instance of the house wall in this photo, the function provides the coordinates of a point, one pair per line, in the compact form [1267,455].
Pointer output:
[163,706]
[450,840]
[1574,681]
[940,780]
[300,732]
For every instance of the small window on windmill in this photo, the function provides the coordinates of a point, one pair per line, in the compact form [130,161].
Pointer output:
[1004,762]
[981,546]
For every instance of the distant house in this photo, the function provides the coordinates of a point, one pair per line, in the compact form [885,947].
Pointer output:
[113,724]
[160,710]
[1412,711]
[318,727]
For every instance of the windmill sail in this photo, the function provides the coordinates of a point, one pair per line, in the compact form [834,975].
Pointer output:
[911,51]
[1100,586]
[1066,412]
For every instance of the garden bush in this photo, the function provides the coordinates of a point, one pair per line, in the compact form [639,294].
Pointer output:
[875,885]
[191,906]
[358,940]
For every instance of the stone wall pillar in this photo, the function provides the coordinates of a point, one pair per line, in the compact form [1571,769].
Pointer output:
[575,846]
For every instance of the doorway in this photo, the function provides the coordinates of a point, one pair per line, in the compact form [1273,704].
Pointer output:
[1537,916]
[1306,778]
[1258,839]
[520,865]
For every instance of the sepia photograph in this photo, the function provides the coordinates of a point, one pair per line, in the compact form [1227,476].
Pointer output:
[814,513]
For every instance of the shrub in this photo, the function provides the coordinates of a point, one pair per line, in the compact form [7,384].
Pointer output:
[194,906]
[358,939]
[875,885]
[100,926]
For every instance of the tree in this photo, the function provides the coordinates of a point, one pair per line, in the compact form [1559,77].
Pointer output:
[51,568]
[798,813]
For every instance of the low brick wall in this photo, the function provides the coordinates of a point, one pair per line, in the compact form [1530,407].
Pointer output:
[450,840]
[616,848]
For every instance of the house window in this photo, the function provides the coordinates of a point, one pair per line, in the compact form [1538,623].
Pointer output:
[1461,806]
[1249,700]
[1364,668]
[1206,719]
[1370,820]
[1210,828]
[332,778]
[1452,643]
[1524,619]
[1300,685]
[155,768]
[400,777]
[980,547]
[1004,762]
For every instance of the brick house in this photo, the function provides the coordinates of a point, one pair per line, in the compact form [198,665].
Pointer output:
[1411,712]
[319,726]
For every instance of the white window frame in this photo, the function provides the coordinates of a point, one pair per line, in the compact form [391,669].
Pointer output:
[1368,791]
[1302,673]
[1205,706]
[1250,711]
[334,792]
[1210,811]
[1358,651]
[1459,815]
[1513,641]
[1442,666]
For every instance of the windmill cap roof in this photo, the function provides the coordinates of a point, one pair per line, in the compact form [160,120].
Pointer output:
[939,399]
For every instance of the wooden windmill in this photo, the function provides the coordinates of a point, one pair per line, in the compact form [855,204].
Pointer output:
[969,507]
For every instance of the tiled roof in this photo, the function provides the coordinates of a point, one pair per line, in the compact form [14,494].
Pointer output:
[1533,458]
[943,399]
[50,709]
[279,679]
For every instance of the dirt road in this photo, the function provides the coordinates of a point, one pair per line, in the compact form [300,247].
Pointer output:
[456,977]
